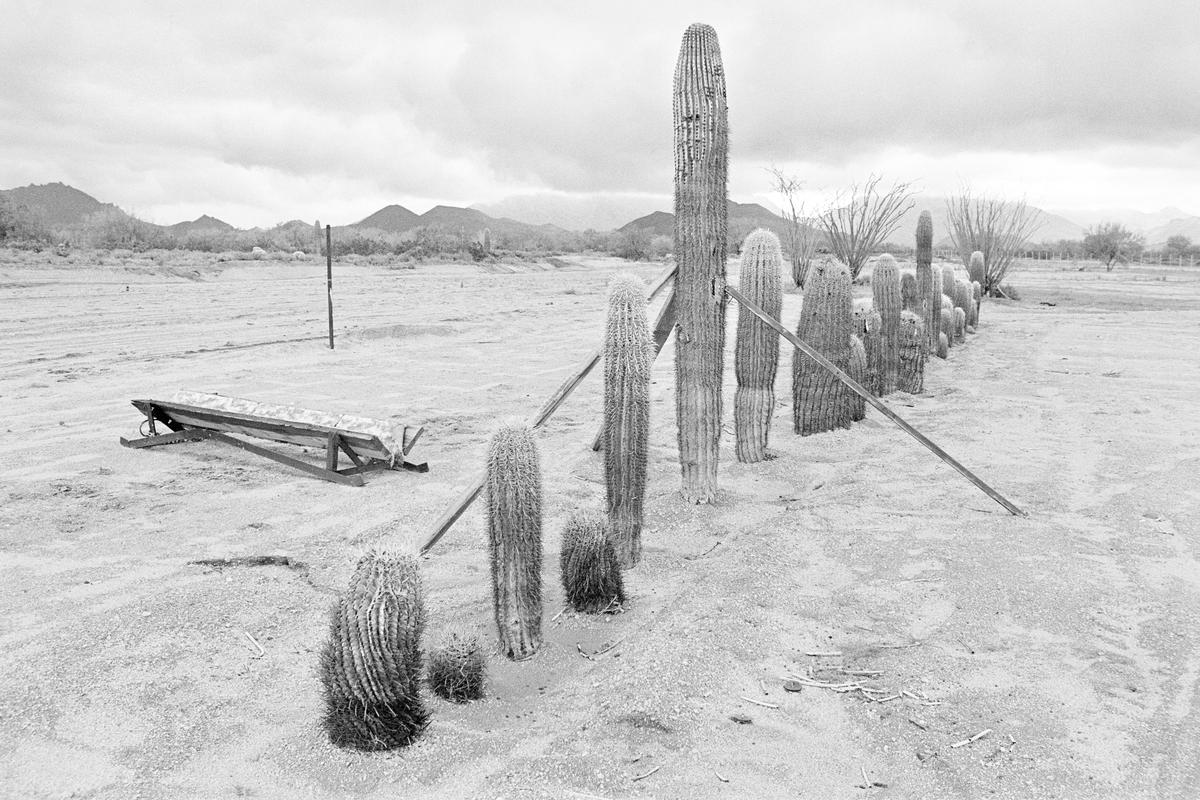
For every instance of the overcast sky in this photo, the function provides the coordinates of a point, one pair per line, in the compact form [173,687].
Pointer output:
[258,112]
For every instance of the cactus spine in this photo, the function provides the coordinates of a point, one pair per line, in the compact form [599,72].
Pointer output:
[856,406]
[591,576]
[866,325]
[701,219]
[628,360]
[925,284]
[371,665]
[457,669]
[911,374]
[756,357]
[885,289]
[514,505]
[975,269]
[818,404]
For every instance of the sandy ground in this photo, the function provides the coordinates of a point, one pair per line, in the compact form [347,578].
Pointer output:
[1070,635]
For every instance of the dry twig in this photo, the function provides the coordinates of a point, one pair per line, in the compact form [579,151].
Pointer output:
[648,774]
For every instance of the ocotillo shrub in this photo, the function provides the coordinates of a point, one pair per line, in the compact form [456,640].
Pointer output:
[514,509]
[817,395]
[591,576]
[856,406]
[976,300]
[628,360]
[975,269]
[756,357]
[943,345]
[457,669]
[911,375]
[960,326]
[701,219]
[925,283]
[885,291]
[866,325]
[371,665]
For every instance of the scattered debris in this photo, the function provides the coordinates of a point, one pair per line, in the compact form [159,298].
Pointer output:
[974,738]
[648,774]
[759,702]
[251,561]
[919,723]
[720,777]
[741,719]
[706,552]
[600,652]
[791,685]
[825,654]
[867,782]
[924,754]
[254,642]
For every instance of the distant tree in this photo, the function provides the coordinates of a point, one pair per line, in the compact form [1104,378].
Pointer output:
[633,245]
[1179,246]
[800,241]
[995,227]
[18,223]
[861,219]
[1112,243]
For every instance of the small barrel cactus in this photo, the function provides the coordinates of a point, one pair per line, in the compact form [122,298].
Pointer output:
[628,359]
[857,407]
[975,268]
[817,404]
[756,357]
[371,665]
[911,374]
[960,326]
[925,277]
[866,325]
[962,296]
[591,576]
[943,345]
[948,279]
[947,322]
[885,291]
[910,299]
[514,518]
[976,301]
[457,669]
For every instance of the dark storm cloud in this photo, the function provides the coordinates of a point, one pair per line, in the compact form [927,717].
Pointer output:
[287,104]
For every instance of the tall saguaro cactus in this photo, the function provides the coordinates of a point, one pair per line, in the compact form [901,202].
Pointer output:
[818,404]
[924,257]
[756,357]
[701,219]
[371,665]
[627,364]
[885,289]
[514,506]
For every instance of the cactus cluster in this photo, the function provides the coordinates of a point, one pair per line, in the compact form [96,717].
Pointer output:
[818,403]
[911,374]
[457,671]
[591,575]
[514,519]
[756,356]
[885,292]
[371,665]
[701,124]
[628,359]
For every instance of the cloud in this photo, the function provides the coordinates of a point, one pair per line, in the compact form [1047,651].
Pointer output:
[281,103]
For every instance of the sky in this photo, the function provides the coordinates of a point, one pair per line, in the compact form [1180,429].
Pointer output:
[259,112]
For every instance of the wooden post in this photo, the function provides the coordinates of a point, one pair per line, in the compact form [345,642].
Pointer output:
[329,278]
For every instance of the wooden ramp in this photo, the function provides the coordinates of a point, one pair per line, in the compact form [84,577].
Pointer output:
[369,446]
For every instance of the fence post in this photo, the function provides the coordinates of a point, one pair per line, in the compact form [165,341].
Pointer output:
[329,278]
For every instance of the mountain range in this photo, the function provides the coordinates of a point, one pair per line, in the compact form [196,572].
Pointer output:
[61,207]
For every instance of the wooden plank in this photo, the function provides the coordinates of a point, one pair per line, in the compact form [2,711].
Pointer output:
[165,438]
[311,469]
[878,404]
[332,446]
[410,441]
[663,325]
[460,505]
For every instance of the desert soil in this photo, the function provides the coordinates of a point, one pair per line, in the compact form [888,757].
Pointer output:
[1070,636]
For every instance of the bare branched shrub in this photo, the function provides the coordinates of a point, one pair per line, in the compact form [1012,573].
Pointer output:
[800,241]
[995,227]
[862,218]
